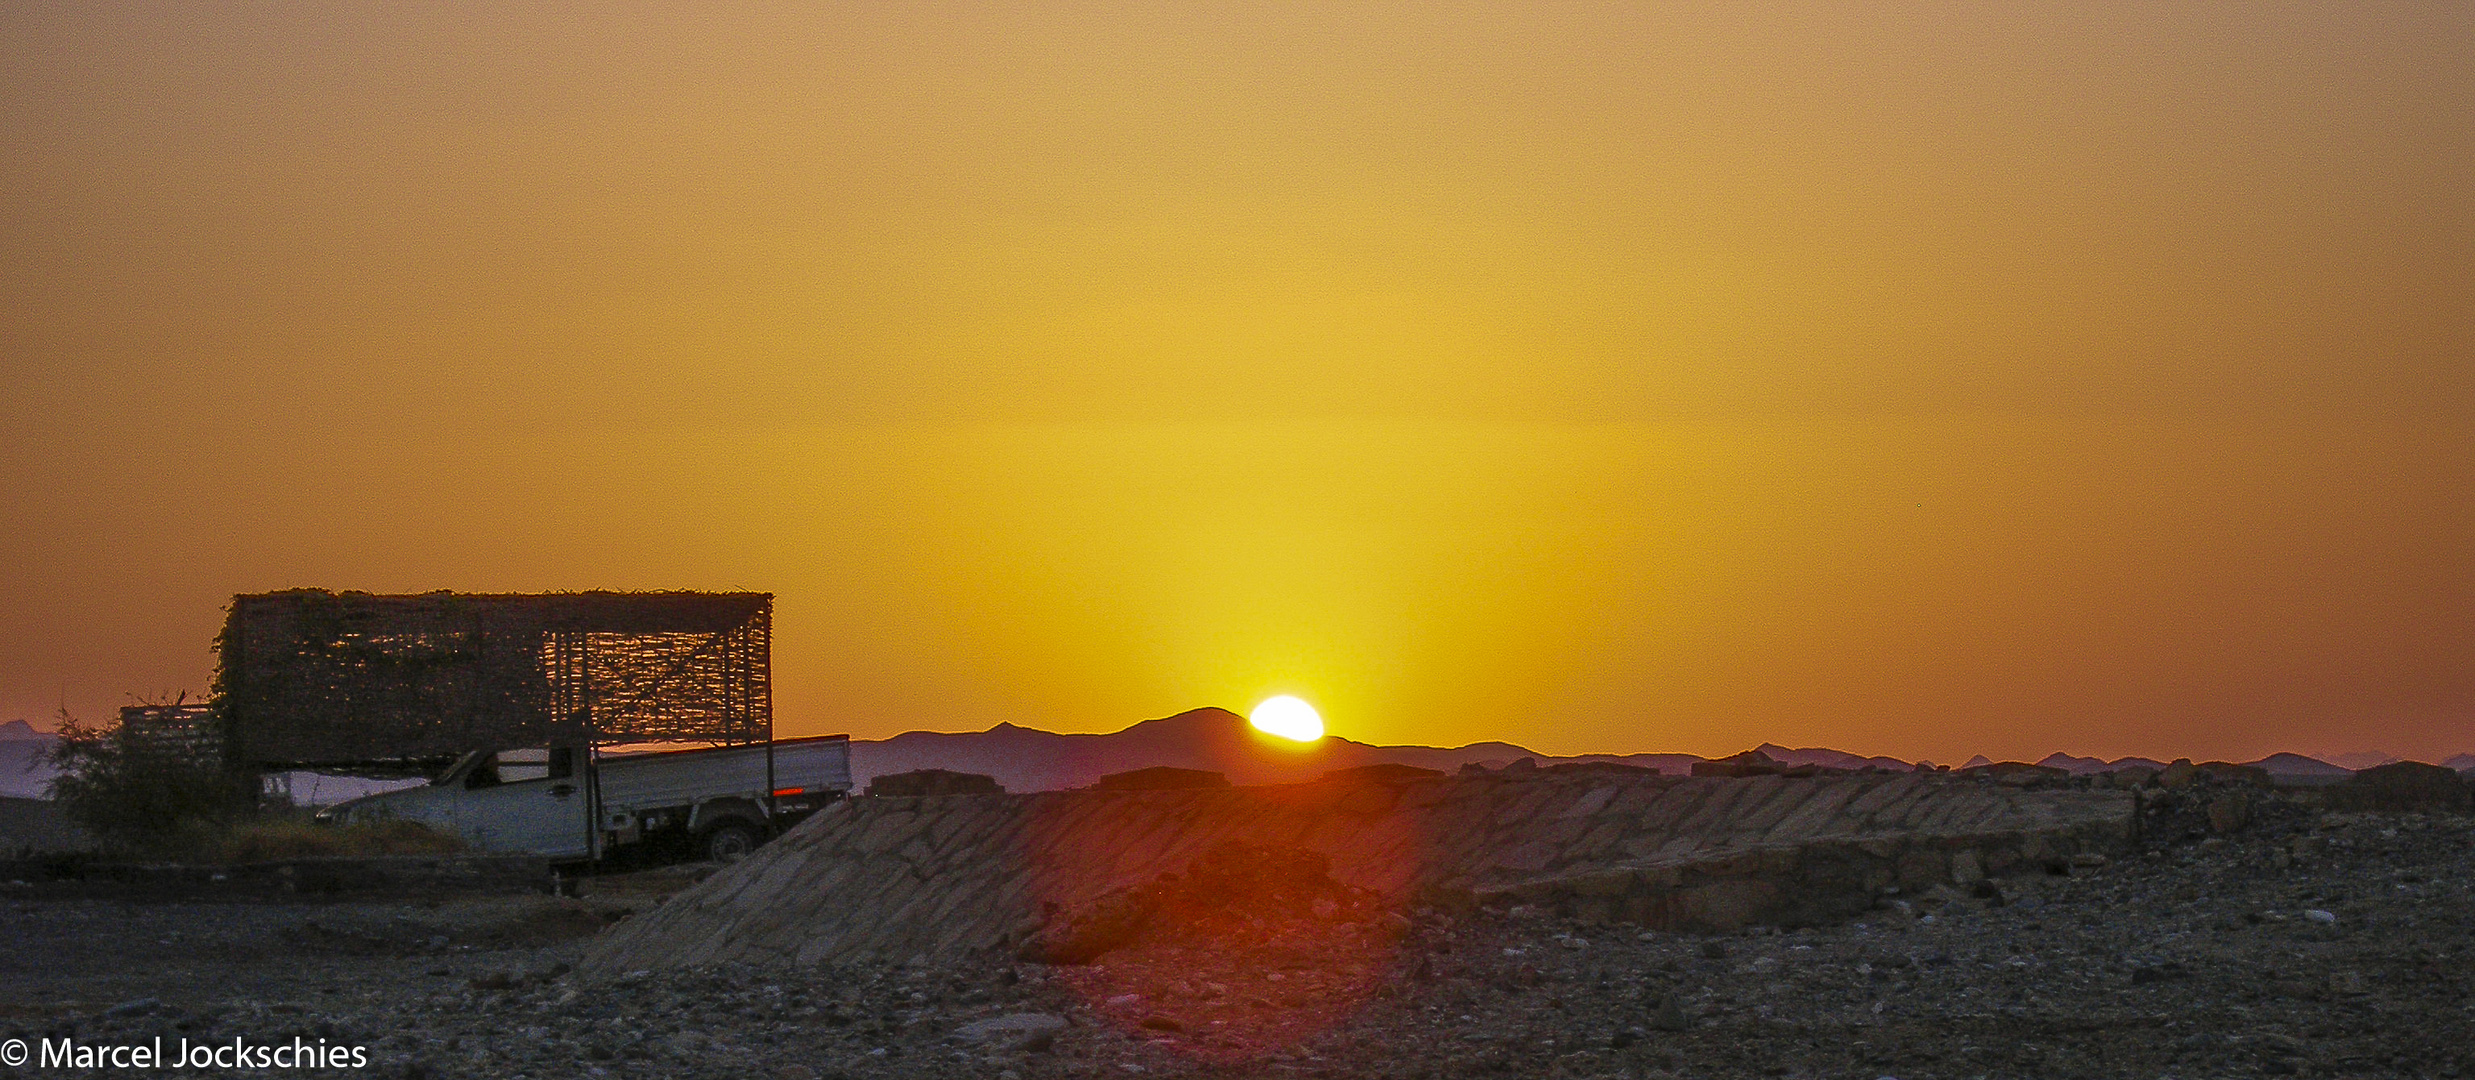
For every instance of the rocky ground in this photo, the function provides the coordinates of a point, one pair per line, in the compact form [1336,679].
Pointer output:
[2304,943]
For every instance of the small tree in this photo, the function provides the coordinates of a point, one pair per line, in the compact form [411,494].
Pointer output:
[143,796]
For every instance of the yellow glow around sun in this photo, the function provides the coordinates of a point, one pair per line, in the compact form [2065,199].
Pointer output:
[1288,718]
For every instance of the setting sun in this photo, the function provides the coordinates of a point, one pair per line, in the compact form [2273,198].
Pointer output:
[1288,718]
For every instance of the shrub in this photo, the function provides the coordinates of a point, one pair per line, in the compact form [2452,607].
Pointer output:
[143,797]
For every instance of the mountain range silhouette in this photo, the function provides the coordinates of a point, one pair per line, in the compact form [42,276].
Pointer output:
[1217,740]
[1210,739]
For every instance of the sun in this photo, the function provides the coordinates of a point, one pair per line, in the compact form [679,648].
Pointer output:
[1288,718]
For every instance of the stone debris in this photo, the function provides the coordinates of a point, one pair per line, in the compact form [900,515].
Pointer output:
[1015,1030]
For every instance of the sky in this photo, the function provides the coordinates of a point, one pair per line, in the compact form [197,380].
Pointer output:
[1924,379]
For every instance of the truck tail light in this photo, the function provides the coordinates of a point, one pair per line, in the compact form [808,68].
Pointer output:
[780,792]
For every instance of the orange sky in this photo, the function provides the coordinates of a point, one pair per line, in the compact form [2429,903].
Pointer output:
[1923,379]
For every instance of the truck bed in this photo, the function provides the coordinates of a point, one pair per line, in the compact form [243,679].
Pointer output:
[638,781]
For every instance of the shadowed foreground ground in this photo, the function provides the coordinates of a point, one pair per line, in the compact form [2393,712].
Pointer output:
[2193,955]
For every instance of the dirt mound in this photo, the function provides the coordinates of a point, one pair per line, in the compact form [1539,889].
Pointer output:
[1236,892]
[868,880]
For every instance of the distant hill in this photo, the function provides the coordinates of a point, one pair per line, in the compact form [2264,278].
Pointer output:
[2083,766]
[1216,740]
[1830,759]
[2299,765]
[2283,765]
[2076,766]
[2462,763]
[19,730]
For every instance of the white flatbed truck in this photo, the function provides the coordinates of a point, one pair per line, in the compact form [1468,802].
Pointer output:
[570,805]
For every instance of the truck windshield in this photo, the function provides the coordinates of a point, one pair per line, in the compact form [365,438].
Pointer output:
[507,767]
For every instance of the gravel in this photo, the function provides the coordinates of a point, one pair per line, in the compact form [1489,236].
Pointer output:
[2307,943]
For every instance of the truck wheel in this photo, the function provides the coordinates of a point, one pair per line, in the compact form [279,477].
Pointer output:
[729,842]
